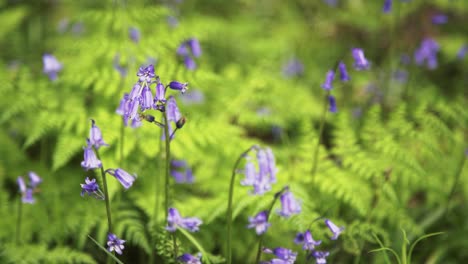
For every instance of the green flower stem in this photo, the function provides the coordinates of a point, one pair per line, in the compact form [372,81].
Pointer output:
[122,141]
[106,193]
[322,125]
[229,208]
[18,221]
[260,240]
[156,204]
[174,241]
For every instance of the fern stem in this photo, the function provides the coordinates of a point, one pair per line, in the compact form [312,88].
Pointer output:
[229,208]
[106,193]
[260,240]
[322,126]
[168,161]
[18,221]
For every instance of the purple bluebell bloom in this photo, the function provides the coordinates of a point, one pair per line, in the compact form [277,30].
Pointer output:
[51,66]
[160,95]
[95,136]
[190,259]
[172,111]
[332,103]
[272,170]
[115,244]
[462,52]
[28,196]
[181,171]
[289,205]
[134,34]
[293,67]
[387,7]
[136,122]
[190,63]
[195,47]
[328,84]
[360,61]
[137,89]
[334,229]
[174,220]
[320,256]
[90,159]
[146,98]
[262,179]
[34,179]
[183,49]
[306,240]
[21,184]
[250,174]
[91,188]
[121,110]
[125,178]
[427,53]
[282,254]
[344,77]
[145,74]
[439,19]
[182,87]
[259,222]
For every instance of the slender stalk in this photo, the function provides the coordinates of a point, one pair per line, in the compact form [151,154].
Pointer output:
[229,209]
[18,221]
[122,141]
[174,241]
[322,125]
[106,193]
[455,183]
[260,240]
[156,204]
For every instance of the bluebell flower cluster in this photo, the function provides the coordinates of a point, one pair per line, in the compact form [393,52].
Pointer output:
[175,220]
[140,99]
[264,176]
[283,256]
[426,54]
[27,191]
[188,50]
[181,172]
[360,61]
[289,204]
[51,66]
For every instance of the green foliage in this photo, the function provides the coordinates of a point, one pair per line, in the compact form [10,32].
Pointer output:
[393,166]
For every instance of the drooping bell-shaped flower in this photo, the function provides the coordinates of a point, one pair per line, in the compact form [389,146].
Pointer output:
[328,84]
[90,159]
[272,170]
[259,222]
[320,256]
[282,254]
[125,178]
[122,105]
[91,188]
[387,7]
[195,47]
[182,87]
[190,259]
[134,34]
[190,63]
[28,196]
[160,93]
[147,98]
[136,91]
[427,53]
[34,179]
[115,244]
[95,136]
[360,61]
[146,73]
[172,111]
[344,77]
[174,220]
[51,66]
[21,185]
[439,19]
[250,174]
[183,50]
[306,240]
[332,104]
[334,229]
[181,171]
[289,205]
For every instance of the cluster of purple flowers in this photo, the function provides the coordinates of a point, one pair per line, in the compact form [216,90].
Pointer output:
[283,256]
[134,104]
[28,190]
[91,161]
[174,220]
[426,54]
[51,66]
[181,172]
[188,50]
[263,177]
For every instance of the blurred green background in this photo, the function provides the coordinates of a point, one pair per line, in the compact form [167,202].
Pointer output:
[391,159]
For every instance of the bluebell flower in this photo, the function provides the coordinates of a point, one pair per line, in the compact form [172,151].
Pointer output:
[328,84]
[387,7]
[289,205]
[262,179]
[115,244]
[195,47]
[181,171]
[21,184]
[190,63]
[137,89]
[121,110]
[439,19]
[146,74]
[334,229]
[34,179]
[462,52]
[174,220]
[172,111]
[160,95]
[136,122]
[182,87]
[90,159]
[146,98]
[91,188]
[343,72]
[332,104]
[282,254]
[51,66]
[95,136]
[125,178]
[293,67]
[360,61]
[320,256]
[183,50]
[190,259]
[28,196]
[306,240]
[427,53]
[272,170]
[259,222]
[250,174]
[134,34]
